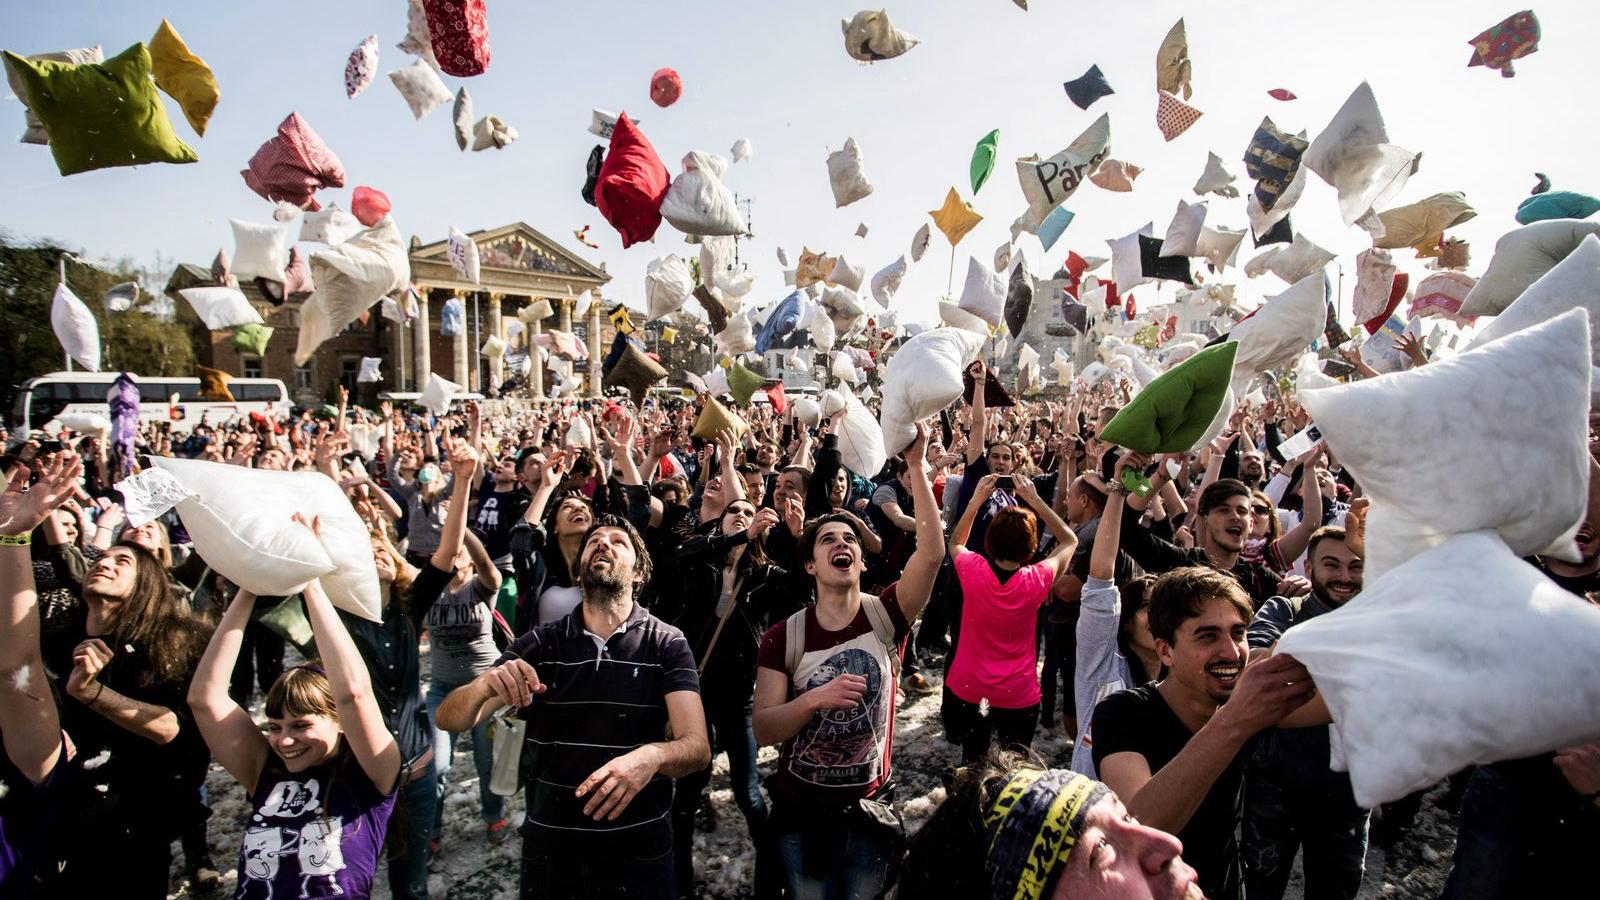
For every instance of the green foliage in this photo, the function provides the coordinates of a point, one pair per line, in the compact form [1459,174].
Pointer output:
[149,339]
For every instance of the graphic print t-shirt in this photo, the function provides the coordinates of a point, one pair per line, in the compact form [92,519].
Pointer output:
[316,833]
[496,514]
[461,629]
[841,755]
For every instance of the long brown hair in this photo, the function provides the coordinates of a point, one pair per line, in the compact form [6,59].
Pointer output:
[151,619]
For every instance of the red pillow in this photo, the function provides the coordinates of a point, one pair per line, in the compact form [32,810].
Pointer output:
[632,183]
[370,205]
[1396,293]
[665,87]
[294,165]
[459,32]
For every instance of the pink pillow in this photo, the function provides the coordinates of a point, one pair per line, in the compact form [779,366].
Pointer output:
[459,32]
[294,165]
[369,205]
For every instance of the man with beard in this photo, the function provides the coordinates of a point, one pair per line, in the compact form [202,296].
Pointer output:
[1292,799]
[598,688]
[1175,749]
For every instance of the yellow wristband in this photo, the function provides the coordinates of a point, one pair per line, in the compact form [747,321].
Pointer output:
[16,540]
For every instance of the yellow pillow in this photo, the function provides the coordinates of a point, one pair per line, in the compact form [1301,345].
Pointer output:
[183,76]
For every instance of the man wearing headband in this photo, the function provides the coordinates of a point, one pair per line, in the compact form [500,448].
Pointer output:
[1011,830]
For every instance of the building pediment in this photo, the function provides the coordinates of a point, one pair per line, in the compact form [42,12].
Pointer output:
[517,248]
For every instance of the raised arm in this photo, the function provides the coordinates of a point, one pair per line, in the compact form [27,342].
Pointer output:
[229,732]
[1294,541]
[359,717]
[463,462]
[963,529]
[916,580]
[977,426]
[1066,538]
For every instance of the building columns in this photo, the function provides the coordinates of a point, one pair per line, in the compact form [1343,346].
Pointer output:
[593,329]
[421,356]
[497,364]
[461,352]
[536,366]
[397,350]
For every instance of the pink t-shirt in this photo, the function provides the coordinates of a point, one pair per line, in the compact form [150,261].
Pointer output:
[997,655]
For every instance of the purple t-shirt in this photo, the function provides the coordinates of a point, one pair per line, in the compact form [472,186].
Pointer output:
[316,833]
[26,813]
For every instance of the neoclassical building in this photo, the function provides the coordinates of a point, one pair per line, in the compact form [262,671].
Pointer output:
[519,265]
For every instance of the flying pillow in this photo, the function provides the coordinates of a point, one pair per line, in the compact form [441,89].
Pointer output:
[739,337]
[1273,160]
[461,118]
[1375,271]
[1441,294]
[919,241]
[869,37]
[1420,225]
[886,283]
[1172,61]
[983,156]
[416,42]
[361,67]
[807,412]
[452,318]
[458,35]
[1510,39]
[955,219]
[1116,176]
[421,87]
[1127,261]
[330,225]
[221,307]
[667,283]
[1219,246]
[1280,330]
[34,132]
[741,150]
[259,250]
[635,371]
[1175,409]
[1521,257]
[1574,283]
[463,252]
[1173,116]
[490,131]
[252,338]
[632,184]
[860,439]
[922,378]
[98,115]
[843,368]
[1216,179]
[75,327]
[845,274]
[1048,183]
[698,202]
[1476,409]
[1354,155]
[812,268]
[781,322]
[293,165]
[845,176]
[370,370]
[843,308]
[1300,259]
[1019,297]
[1166,268]
[1556,205]
[183,76]
[1051,229]
[715,418]
[1084,90]
[820,328]
[369,205]
[350,278]
[1470,696]
[437,394]
[743,383]
[1183,235]
[984,294]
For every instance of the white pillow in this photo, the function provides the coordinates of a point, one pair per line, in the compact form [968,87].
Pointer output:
[461,116]
[329,225]
[842,367]
[437,394]
[221,307]
[85,423]
[1002,256]
[1574,283]
[1094,373]
[807,411]
[919,242]
[860,439]
[1280,330]
[922,378]
[1216,179]
[846,274]
[984,294]
[1291,262]
[741,150]
[1354,155]
[1048,183]
[1220,246]
[887,282]
[75,328]
[1463,655]
[418,42]
[463,252]
[717,254]
[493,347]
[1183,235]
[491,131]
[667,283]
[821,328]
[421,86]
[843,307]
[1510,417]
[698,202]
[1126,267]
[954,316]
[370,370]
[259,251]
[844,173]
[350,278]
[1521,257]
[1375,271]
[602,123]
[1061,363]
[241,523]
[739,337]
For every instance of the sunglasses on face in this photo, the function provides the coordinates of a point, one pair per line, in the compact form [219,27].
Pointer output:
[1261,510]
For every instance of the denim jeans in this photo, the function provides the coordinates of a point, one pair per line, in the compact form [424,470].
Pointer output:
[547,875]
[1327,826]
[410,829]
[444,752]
[847,858]
[730,732]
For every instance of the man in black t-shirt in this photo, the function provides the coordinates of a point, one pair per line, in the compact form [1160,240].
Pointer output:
[1174,750]
[501,503]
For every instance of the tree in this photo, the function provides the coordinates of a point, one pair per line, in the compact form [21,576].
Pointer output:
[150,338]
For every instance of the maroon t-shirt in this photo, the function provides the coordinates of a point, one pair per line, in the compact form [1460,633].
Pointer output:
[841,755]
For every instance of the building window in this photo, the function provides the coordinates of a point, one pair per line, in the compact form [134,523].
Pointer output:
[302,377]
[252,367]
[349,368]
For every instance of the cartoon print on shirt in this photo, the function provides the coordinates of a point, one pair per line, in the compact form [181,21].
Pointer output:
[262,847]
[839,747]
[316,846]
[319,853]
[290,799]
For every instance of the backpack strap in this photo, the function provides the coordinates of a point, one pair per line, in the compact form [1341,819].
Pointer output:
[794,642]
[882,629]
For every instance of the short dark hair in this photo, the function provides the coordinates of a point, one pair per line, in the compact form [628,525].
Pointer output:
[641,553]
[1012,535]
[808,537]
[1325,533]
[1220,492]
[802,471]
[1087,488]
[1182,594]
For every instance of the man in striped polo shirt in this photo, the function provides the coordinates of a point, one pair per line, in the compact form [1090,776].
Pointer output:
[611,698]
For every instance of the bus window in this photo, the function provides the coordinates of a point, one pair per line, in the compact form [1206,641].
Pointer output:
[256,393]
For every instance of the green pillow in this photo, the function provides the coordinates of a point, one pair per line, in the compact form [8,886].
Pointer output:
[742,382]
[252,338]
[635,371]
[1173,412]
[100,115]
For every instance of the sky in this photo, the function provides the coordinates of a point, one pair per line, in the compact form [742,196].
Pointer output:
[777,74]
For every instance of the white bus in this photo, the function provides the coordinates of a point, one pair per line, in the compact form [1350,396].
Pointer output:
[41,400]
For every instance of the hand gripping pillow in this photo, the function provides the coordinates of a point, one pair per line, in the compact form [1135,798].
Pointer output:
[350,278]
[860,439]
[984,294]
[886,283]
[183,76]
[421,87]
[241,523]
[632,184]
[667,283]
[1354,155]
[698,203]
[1476,409]
[458,35]
[34,132]
[1556,205]
[844,174]
[221,307]
[259,250]
[1414,699]
[99,115]
[1280,330]
[1174,411]
[922,378]
[293,165]
[846,274]
[635,371]
[1521,257]
[1574,283]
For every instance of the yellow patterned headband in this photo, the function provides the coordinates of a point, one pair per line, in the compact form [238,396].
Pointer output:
[1033,824]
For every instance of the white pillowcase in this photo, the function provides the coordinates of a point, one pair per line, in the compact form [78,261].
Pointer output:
[329,225]
[846,274]
[1354,155]
[860,439]
[698,202]
[1375,272]
[463,252]
[1280,330]
[1521,257]
[422,88]
[1183,235]
[739,337]
[1126,266]
[667,283]
[844,308]
[1291,262]
[1216,179]
[919,242]
[1574,283]
[842,367]
[1048,183]
[922,378]
[221,307]
[350,278]
[844,174]
[954,316]
[259,251]
[984,294]
[437,394]
[1477,410]
[370,371]
[75,328]
[886,283]
[741,150]
[1449,661]
[241,523]
[1219,246]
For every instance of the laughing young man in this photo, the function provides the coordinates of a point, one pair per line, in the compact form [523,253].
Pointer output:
[825,690]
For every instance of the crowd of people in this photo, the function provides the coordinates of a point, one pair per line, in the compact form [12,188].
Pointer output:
[607,601]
